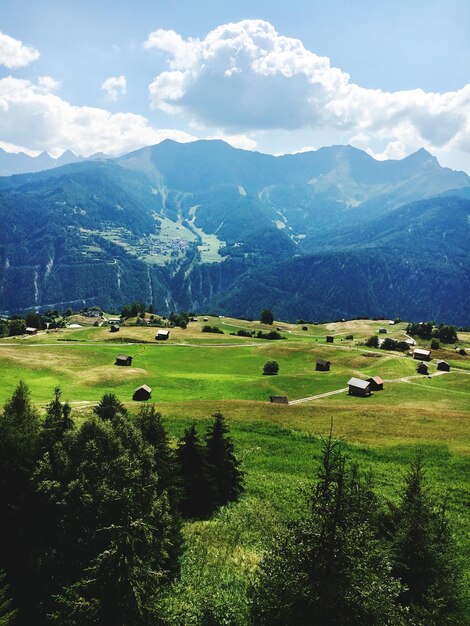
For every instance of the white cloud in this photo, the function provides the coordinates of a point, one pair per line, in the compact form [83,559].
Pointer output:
[243,142]
[114,86]
[246,77]
[14,53]
[33,117]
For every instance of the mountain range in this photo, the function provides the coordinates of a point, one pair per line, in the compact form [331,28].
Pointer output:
[203,226]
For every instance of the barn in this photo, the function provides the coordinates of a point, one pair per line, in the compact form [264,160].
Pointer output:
[422,368]
[376,383]
[123,359]
[330,338]
[442,365]
[31,331]
[279,399]
[114,328]
[358,387]
[142,393]
[422,355]
[162,335]
[323,366]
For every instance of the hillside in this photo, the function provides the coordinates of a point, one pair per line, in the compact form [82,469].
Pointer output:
[324,234]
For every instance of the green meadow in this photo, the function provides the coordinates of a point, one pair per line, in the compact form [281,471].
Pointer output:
[194,374]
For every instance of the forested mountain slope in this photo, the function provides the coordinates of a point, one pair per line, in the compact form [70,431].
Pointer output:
[330,233]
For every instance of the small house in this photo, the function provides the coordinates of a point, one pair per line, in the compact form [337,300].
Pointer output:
[376,383]
[410,341]
[114,328]
[31,331]
[358,387]
[322,366]
[206,319]
[330,338]
[422,368]
[443,366]
[123,359]
[384,331]
[142,393]
[391,323]
[279,399]
[162,335]
[422,355]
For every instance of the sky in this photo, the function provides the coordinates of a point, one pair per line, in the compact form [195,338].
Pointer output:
[277,76]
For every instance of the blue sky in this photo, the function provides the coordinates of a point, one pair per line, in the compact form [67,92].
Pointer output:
[387,76]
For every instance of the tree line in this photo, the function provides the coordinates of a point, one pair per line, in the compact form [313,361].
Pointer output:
[92,515]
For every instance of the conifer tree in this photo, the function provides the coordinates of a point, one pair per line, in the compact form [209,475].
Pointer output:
[149,423]
[19,429]
[110,407]
[7,614]
[197,490]
[329,568]
[424,553]
[227,478]
[56,423]
[114,547]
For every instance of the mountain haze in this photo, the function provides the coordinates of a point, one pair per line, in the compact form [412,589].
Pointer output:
[202,225]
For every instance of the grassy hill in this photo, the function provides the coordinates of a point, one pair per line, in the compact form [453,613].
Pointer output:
[195,374]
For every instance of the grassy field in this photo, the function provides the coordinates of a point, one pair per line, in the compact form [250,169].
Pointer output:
[194,374]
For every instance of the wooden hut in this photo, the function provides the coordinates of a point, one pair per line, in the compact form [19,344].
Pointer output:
[422,368]
[31,331]
[279,399]
[358,387]
[142,393]
[114,328]
[422,355]
[330,338]
[376,383]
[442,365]
[162,335]
[322,366]
[123,359]
[383,331]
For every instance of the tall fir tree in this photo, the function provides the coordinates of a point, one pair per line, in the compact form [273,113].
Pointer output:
[7,613]
[110,407]
[197,489]
[19,430]
[56,423]
[114,546]
[227,477]
[424,553]
[329,568]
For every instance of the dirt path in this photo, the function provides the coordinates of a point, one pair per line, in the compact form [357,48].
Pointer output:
[404,379]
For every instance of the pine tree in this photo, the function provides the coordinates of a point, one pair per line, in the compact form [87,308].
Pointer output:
[224,466]
[149,423]
[197,490]
[329,568]
[7,614]
[56,423]
[113,550]
[110,407]
[424,553]
[19,429]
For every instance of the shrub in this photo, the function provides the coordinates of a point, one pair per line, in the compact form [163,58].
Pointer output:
[212,329]
[435,344]
[243,333]
[271,368]
[273,334]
